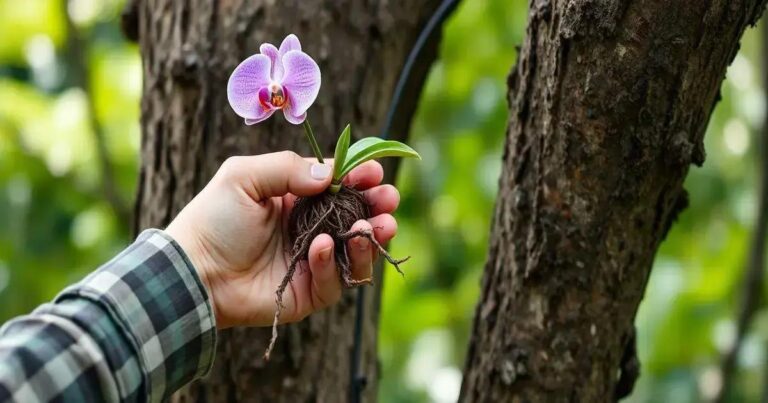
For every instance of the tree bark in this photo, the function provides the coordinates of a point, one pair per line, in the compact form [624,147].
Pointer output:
[189,48]
[608,104]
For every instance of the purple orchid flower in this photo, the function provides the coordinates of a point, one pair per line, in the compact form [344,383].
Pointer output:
[284,78]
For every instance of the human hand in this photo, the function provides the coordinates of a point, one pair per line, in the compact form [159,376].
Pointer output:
[235,233]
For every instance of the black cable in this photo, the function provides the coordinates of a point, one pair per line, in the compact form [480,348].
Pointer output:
[437,19]
[358,380]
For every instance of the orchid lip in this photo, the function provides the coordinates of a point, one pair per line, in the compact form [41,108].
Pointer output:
[273,96]
[277,96]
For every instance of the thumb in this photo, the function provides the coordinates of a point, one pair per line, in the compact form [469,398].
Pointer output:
[276,174]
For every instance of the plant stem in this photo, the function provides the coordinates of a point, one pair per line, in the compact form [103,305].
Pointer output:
[312,142]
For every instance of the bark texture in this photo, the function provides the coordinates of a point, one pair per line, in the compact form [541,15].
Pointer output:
[189,48]
[609,102]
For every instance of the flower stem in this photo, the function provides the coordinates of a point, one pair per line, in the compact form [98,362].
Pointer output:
[312,142]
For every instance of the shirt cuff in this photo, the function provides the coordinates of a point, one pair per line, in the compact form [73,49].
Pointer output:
[153,292]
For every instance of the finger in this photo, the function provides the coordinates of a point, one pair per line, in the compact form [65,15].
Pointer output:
[368,176]
[382,199]
[288,202]
[276,174]
[364,176]
[384,227]
[360,252]
[328,161]
[326,288]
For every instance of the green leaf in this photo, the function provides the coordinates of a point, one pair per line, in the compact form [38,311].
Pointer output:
[361,144]
[373,147]
[341,153]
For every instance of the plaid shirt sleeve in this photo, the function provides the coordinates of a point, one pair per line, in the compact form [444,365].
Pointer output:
[137,329]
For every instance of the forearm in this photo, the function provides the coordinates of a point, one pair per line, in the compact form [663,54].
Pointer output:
[138,328]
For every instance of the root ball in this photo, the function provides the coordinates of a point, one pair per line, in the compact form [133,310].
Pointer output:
[332,214]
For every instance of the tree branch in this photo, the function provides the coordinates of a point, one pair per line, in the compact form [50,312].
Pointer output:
[754,272]
[77,60]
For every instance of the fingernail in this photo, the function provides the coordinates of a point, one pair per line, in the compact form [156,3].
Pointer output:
[362,243]
[320,171]
[325,255]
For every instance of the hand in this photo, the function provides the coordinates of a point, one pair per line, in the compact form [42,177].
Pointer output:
[235,233]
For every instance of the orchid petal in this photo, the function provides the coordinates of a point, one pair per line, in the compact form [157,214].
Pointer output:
[291,42]
[265,116]
[293,118]
[301,80]
[273,54]
[264,109]
[244,84]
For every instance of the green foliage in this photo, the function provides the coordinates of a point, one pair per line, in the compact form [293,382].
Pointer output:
[340,155]
[371,148]
[346,158]
[55,224]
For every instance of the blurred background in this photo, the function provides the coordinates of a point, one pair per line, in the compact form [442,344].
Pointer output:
[69,120]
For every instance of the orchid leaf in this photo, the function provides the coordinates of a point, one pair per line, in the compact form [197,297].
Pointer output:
[361,144]
[341,153]
[371,148]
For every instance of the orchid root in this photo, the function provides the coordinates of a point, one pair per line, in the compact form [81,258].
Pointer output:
[331,214]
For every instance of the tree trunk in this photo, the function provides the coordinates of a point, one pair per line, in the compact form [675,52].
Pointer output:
[608,103]
[189,48]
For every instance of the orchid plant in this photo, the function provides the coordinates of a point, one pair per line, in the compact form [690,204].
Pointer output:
[288,79]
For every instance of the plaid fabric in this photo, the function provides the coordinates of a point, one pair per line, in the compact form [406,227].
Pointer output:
[137,329]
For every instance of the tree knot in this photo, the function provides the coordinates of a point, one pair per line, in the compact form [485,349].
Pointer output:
[514,366]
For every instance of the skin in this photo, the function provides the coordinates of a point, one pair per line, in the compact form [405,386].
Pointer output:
[235,233]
